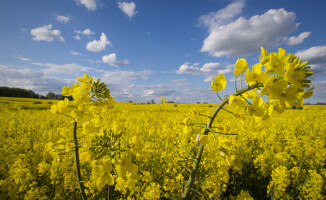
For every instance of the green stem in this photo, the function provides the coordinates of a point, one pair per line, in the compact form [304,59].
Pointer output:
[241,81]
[235,82]
[246,99]
[227,111]
[186,193]
[79,178]
[109,193]
[219,96]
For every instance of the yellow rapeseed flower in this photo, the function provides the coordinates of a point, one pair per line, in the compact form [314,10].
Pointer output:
[219,83]
[240,66]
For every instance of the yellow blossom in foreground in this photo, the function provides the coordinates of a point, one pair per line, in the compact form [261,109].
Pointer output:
[240,66]
[219,83]
[237,101]
[263,58]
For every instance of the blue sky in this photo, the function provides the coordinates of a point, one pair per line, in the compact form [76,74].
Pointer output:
[146,49]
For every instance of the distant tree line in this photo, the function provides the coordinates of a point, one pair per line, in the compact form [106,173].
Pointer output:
[18,92]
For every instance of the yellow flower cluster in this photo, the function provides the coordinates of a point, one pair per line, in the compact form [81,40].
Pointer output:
[282,78]
[103,150]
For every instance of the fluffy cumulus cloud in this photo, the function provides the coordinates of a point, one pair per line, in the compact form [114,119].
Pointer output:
[293,40]
[87,32]
[111,59]
[89,4]
[220,17]
[31,79]
[98,45]
[45,33]
[245,36]
[50,68]
[208,69]
[129,8]
[316,56]
[62,18]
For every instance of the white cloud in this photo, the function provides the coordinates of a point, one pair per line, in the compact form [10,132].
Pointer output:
[187,68]
[77,37]
[98,45]
[320,89]
[181,82]
[62,18]
[120,83]
[245,36]
[89,4]
[208,69]
[156,91]
[220,17]
[316,56]
[111,59]
[50,68]
[124,76]
[25,59]
[128,8]
[46,33]
[122,86]
[31,79]
[75,53]
[87,32]
[293,40]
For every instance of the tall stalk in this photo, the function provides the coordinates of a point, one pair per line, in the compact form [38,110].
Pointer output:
[79,178]
[186,193]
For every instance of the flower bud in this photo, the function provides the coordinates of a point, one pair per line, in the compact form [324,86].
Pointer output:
[304,81]
[306,68]
[307,74]
[304,64]
[295,60]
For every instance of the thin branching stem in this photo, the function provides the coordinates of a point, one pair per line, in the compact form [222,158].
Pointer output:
[219,96]
[79,178]
[241,81]
[188,188]
[205,115]
[246,99]
[227,111]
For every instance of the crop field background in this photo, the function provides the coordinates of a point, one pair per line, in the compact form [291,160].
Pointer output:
[282,158]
